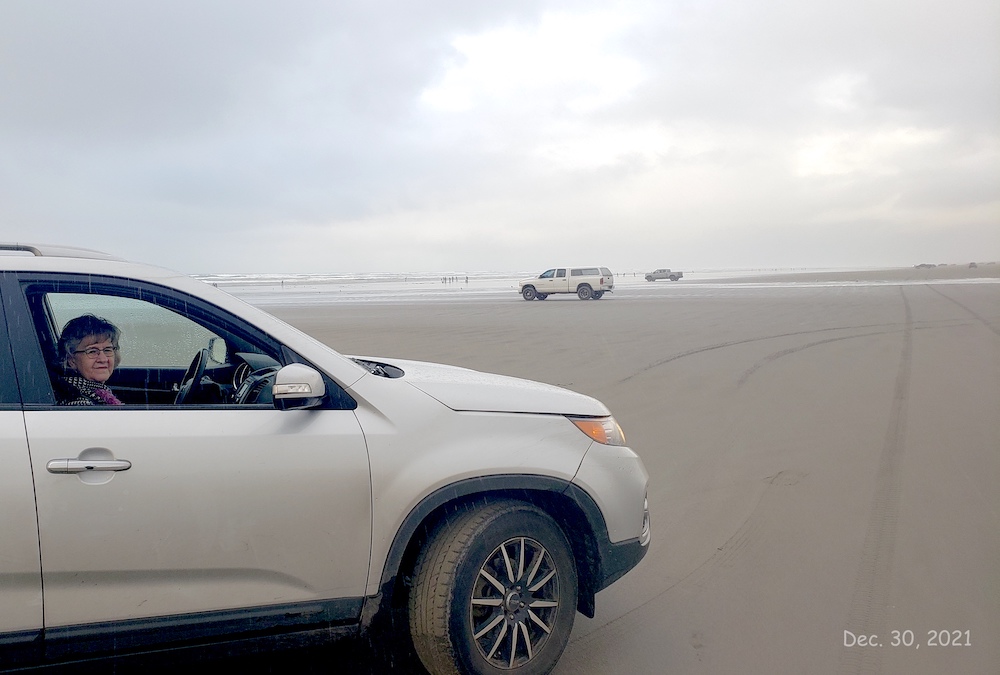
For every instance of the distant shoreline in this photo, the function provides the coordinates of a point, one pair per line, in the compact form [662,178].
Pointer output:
[989,270]
[314,289]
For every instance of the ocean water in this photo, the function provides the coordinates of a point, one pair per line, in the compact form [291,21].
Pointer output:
[318,289]
[307,289]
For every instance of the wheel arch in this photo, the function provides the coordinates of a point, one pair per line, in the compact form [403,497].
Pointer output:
[573,510]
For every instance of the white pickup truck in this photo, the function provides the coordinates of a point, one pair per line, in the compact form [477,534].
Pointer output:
[664,273]
[589,283]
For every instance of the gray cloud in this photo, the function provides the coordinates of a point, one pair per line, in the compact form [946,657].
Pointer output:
[306,136]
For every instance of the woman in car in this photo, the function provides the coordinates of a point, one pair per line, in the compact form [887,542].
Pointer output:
[88,353]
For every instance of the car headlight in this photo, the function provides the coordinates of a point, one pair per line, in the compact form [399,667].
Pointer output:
[604,430]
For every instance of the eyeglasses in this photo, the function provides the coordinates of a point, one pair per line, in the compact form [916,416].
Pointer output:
[94,352]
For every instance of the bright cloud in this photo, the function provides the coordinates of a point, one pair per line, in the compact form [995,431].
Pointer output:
[878,153]
[841,92]
[566,59]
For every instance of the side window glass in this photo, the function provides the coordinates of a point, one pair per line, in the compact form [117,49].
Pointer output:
[547,274]
[8,382]
[150,335]
[561,274]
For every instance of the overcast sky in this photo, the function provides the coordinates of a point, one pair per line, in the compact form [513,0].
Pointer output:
[451,135]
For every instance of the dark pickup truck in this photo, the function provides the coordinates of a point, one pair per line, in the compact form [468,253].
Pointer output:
[663,273]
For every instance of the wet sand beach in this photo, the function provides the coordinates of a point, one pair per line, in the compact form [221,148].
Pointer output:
[824,460]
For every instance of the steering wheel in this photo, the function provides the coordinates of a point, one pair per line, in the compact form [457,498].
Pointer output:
[191,382]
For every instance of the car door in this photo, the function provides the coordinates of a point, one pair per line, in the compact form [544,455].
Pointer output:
[546,282]
[20,566]
[560,284]
[552,281]
[228,518]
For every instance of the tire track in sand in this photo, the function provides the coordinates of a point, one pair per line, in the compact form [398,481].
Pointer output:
[770,358]
[980,318]
[733,343]
[752,533]
[870,600]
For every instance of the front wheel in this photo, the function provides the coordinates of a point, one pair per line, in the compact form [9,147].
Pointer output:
[584,292]
[528,293]
[495,589]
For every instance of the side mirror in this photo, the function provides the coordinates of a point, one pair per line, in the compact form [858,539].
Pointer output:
[297,386]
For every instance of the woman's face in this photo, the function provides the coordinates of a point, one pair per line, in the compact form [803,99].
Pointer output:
[97,368]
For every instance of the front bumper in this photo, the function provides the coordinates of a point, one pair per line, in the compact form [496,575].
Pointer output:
[618,559]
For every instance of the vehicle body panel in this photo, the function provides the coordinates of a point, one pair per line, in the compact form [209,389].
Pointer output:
[220,509]
[20,565]
[616,479]
[465,389]
[404,473]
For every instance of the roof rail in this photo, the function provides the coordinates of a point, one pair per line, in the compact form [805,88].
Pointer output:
[44,250]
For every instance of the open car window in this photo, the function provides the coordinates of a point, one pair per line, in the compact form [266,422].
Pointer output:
[176,350]
[172,351]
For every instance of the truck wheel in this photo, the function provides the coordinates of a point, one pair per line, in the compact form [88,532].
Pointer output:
[598,295]
[649,277]
[584,292]
[528,293]
[541,296]
[494,589]
[673,277]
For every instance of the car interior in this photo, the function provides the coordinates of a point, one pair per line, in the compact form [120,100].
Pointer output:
[222,369]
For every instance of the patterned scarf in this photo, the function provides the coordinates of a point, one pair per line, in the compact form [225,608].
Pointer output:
[91,392]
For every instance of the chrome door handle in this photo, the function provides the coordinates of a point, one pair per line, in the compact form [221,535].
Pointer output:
[81,465]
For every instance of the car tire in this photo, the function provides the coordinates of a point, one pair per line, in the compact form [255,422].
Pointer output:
[541,296]
[673,277]
[649,277]
[528,293]
[460,619]
[598,295]
[584,292]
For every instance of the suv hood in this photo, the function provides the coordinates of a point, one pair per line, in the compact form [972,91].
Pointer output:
[472,390]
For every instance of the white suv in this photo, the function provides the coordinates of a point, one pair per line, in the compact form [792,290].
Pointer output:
[589,283]
[255,484]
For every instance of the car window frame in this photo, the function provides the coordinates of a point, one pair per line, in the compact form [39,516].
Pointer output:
[10,394]
[31,364]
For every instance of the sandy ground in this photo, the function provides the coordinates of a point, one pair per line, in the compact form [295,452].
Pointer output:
[988,270]
[822,459]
